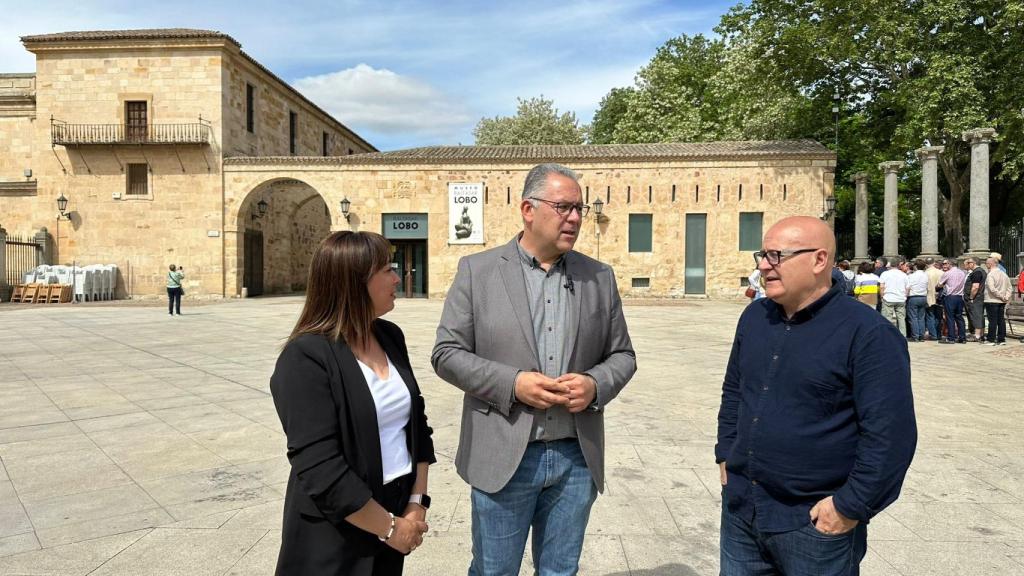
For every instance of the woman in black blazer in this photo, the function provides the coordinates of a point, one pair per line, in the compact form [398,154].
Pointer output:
[341,368]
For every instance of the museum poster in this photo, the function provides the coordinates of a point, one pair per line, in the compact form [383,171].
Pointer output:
[465,213]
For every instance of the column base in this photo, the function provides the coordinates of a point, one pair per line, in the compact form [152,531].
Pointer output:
[934,256]
[981,256]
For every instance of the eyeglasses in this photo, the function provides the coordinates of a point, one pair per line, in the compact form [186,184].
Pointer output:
[774,257]
[564,208]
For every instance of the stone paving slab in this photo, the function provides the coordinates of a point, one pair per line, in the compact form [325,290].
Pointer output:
[136,443]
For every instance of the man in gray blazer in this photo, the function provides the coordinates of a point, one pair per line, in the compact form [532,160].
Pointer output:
[533,333]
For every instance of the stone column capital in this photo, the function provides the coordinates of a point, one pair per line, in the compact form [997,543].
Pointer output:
[859,177]
[980,135]
[928,152]
[892,166]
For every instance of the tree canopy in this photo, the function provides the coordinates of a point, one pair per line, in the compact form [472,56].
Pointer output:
[536,121]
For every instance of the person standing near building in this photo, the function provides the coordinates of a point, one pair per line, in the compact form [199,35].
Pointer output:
[816,428]
[933,320]
[917,300]
[952,283]
[974,300]
[865,284]
[893,288]
[999,261]
[175,289]
[533,333]
[998,292]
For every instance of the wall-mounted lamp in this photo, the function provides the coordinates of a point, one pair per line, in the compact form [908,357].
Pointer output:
[62,207]
[28,173]
[830,207]
[261,210]
[599,217]
[346,205]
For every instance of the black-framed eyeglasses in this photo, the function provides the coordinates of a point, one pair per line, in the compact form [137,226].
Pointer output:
[774,257]
[564,208]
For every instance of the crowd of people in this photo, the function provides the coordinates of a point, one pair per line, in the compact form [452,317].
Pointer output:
[927,299]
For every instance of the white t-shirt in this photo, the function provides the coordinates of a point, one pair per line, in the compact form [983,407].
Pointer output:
[918,281]
[895,282]
[393,403]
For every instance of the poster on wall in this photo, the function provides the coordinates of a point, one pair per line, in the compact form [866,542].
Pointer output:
[465,213]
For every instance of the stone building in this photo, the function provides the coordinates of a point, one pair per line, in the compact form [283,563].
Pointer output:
[174,146]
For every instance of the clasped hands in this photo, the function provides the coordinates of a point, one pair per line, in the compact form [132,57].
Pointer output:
[574,391]
[409,529]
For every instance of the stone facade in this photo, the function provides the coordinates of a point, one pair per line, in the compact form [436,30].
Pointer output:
[185,77]
[201,197]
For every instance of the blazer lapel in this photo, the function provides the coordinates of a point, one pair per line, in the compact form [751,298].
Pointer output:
[362,412]
[515,285]
[575,306]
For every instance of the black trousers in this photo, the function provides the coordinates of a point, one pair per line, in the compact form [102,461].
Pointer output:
[174,300]
[396,497]
[996,324]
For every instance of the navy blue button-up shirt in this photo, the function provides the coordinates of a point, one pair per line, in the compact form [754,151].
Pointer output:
[815,405]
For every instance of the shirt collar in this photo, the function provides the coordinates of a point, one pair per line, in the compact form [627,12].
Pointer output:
[529,260]
[809,312]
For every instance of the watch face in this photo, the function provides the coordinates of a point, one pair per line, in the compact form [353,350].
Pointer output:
[425,502]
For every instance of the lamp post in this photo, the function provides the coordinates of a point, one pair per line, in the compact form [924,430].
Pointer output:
[261,210]
[62,214]
[598,210]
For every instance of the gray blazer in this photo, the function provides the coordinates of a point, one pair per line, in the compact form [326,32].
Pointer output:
[485,339]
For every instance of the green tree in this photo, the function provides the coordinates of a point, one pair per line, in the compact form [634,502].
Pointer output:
[537,121]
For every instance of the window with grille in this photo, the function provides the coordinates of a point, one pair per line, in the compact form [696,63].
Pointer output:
[250,108]
[640,232]
[641,282]
[750,230]
[135,120]
[138,179]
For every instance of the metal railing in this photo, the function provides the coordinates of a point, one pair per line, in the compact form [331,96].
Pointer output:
[64,134]
[21,255]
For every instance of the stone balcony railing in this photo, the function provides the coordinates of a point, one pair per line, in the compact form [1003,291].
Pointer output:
[64,134]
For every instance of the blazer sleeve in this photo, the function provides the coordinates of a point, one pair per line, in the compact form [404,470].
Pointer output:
[619,360]
[424,441]
[302,395]
[454,357]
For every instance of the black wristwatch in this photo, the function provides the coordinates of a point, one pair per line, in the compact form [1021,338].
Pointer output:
[420,499]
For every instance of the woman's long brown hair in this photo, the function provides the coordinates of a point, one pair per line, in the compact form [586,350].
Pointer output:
[338,304]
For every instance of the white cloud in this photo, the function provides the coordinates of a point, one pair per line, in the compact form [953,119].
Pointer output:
[383,102]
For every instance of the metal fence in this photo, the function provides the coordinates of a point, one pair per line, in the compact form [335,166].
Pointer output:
[1008,240]
[20,255]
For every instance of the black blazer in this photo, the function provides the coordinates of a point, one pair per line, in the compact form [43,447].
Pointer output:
[330,420]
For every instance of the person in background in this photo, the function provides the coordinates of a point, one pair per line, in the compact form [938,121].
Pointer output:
[917,300]
[754,283]
[974,300]
[866,284]
[999,261]
[174,289]
[952,283]
[849,275]
[998,292]
[881,265]
[893,288]
[933,320]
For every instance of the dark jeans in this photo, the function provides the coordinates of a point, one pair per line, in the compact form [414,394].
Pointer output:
[916,306]
[955,318]
[934,321]
[174,300]
[745,551]
[996,323]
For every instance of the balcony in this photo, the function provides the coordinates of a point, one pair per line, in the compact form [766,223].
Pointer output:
[64,134]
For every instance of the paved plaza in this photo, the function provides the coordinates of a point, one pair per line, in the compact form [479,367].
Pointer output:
[136,443]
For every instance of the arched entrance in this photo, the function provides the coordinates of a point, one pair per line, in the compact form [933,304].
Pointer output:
[280,224]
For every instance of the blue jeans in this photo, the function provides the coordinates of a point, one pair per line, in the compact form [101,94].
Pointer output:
[955,330]
[934,321]
[552,491]
[916,307]
[745,551]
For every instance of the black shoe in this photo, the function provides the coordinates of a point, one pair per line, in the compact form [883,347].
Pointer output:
[961,341]
[945,341]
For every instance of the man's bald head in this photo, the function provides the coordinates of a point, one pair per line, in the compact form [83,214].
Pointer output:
[807,231]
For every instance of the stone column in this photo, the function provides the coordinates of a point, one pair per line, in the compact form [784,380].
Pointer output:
[860,231]
[891,234]
[929,156]
[45,240]
[978,236]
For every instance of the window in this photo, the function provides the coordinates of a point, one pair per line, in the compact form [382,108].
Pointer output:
[641,282]
[640,232]
[293,121]
[250,108]
[350,152]
[135,120]
[325,144]
[750,230]
[137,180]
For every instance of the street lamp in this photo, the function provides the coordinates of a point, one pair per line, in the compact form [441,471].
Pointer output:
[598,210]
[62,214]
[261,210]
[346,205]
[830,207]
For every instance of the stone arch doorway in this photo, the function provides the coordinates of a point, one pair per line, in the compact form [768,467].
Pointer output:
[280,224]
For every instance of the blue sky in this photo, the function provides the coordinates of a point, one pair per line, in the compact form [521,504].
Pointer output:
[406,74]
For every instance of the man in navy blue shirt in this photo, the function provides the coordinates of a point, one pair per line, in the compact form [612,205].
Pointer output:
[816,429]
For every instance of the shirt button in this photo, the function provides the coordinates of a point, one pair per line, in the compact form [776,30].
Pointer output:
[551,357]
[756,419]
[750,452]
[549,328]
[753,482]
[549,301]
[775,357]
[787,328]
[765,388]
